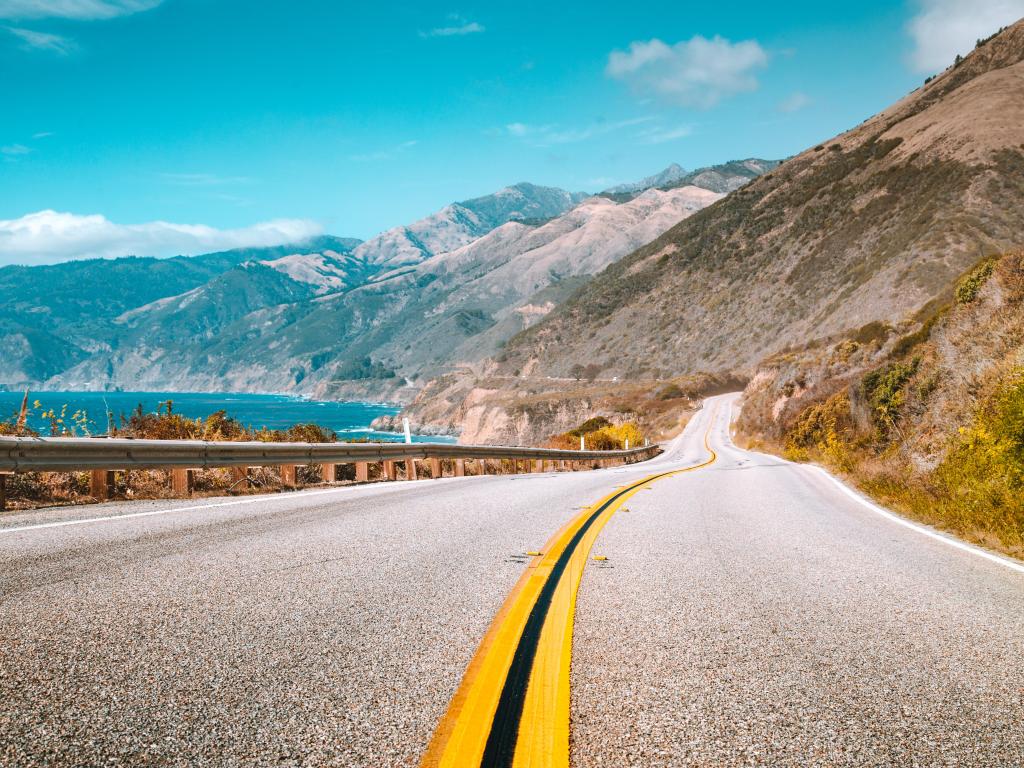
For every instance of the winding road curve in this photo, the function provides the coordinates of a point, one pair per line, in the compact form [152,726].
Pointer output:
[744,612]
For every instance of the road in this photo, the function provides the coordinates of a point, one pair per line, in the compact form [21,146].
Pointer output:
[746,612]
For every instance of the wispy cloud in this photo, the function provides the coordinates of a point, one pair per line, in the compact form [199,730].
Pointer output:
[458,26]
[695,73]
[42,135]
[551,134]
[794,102]
[75,10]
[51,236]
[383,154]
[203,179]
[941,29]
[42,41]
[14,150]
[81,10]
[661,135]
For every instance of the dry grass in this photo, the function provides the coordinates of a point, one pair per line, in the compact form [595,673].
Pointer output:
[932,428]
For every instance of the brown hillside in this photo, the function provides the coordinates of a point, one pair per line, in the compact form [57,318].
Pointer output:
[868,226]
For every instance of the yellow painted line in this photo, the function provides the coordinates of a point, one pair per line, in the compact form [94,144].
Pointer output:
[512,707]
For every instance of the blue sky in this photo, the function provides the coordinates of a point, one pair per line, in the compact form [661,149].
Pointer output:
[182,125]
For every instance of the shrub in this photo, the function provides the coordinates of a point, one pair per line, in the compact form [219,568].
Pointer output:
[826,427]
[883,390]
[968,287]
[366,368]
[590,425]
[671,392]
[981,481]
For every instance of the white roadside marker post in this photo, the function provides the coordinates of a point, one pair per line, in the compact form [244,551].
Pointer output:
[408,433]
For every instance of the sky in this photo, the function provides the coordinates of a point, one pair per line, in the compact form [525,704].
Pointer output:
[158,127]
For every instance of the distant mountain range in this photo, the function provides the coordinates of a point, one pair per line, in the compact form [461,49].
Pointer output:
[335,317]
[724,178]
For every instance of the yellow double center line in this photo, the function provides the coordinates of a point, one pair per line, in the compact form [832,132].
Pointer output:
[512,708]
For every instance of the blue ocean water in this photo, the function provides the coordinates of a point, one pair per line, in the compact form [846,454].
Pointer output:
[348,419]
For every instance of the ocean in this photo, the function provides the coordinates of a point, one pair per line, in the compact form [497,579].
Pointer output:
[348,419]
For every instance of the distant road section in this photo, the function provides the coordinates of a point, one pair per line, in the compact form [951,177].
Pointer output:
[749,612]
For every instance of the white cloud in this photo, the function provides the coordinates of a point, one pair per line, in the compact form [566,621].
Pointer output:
[548,135]
[13,150]
[458,27]
[82,10]
[943,28]
[794,102]
[383,154]
[660,135]
[695,73]
[49,236]
[42,135]
[43,41]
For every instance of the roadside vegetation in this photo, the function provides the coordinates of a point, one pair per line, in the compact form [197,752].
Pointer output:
[599,434]
[929,419]
[34,488]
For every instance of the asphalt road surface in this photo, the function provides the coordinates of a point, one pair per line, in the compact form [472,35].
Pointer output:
[751,612]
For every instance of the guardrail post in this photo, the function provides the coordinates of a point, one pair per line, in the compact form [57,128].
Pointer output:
[410,469]
[390,470]
[538,465]
[436,472]
[101,484]
[460,467]
[328,473]
[182,481]
[288,475]
[239,475]
[362,472]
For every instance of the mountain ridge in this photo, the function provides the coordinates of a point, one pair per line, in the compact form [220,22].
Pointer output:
[867,226]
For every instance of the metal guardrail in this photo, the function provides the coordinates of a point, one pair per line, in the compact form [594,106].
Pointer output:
[74,454]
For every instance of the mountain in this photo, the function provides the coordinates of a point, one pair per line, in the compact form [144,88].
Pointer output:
[458,224]
[55,316]
[726,177]
[673,173]
[298,322]
[868,226]
[723,178]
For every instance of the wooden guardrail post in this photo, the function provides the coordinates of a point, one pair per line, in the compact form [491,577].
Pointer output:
[288,476]
[460,467]
[389,470]
[436,472]
[362,472]
[328,473]
[101,484]
[410,469]
[240,475]
[182,481]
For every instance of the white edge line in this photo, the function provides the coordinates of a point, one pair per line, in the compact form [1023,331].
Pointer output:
[898,519]
[945,539]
